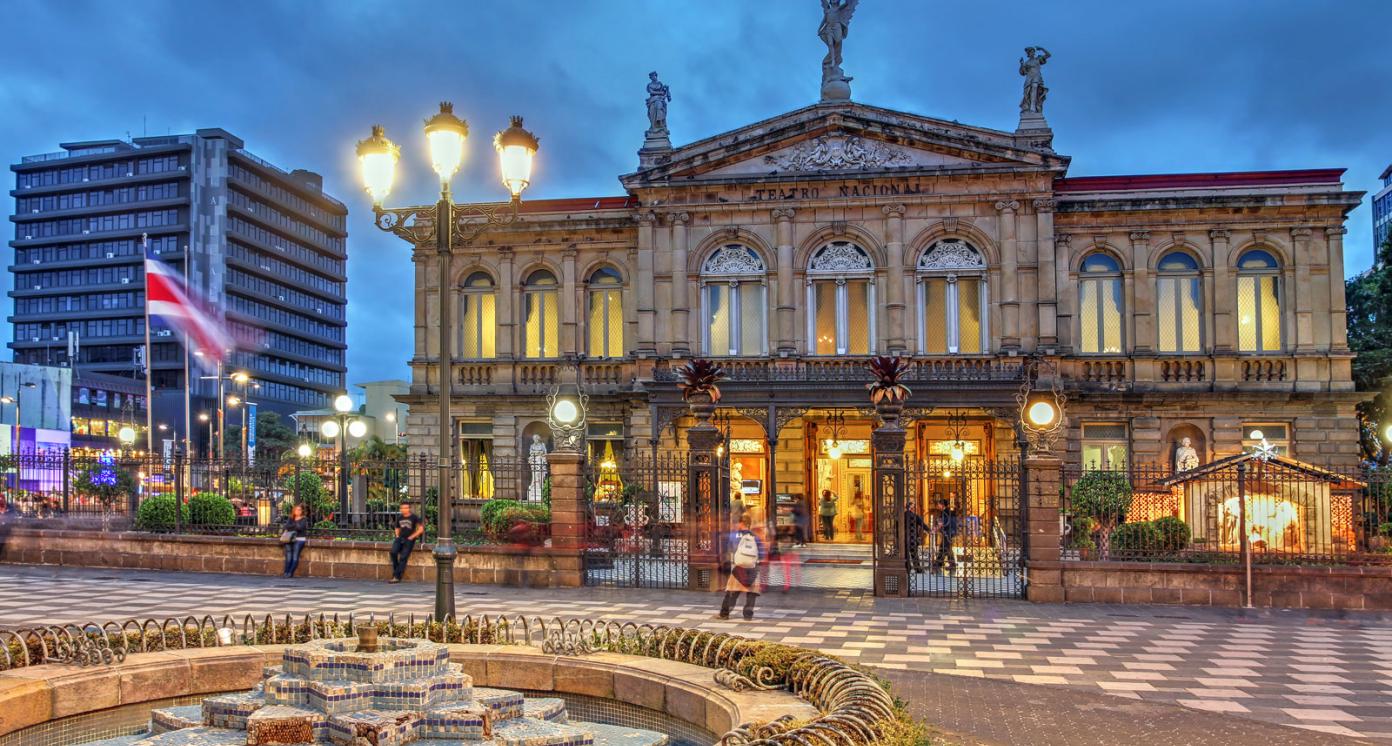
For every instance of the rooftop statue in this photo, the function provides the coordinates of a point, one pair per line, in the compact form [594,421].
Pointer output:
[836,21]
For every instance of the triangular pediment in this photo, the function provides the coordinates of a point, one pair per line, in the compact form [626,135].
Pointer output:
[840,140]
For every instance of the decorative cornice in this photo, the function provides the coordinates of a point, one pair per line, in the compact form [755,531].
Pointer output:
[1008,205]
[783,213]
[893,211]
[1140,236]
[1045,205]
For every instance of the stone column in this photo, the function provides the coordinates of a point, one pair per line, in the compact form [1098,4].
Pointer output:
[894,248]
[787,293]
[1065,291]
[570,339]
[568,518]
[1047,294]
[681,297]
[705,500]
[1303,292]
[1040,481]
[1010,281]
[647,345]
[507,290]
[1141,304]
[1338,304]
[1224,293]
[420,374]
[887,450]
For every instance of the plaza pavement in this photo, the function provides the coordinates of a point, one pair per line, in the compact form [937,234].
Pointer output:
[1098,674]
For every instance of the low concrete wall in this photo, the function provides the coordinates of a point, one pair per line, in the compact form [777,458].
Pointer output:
[34,695]
[1368,587]
[533,567]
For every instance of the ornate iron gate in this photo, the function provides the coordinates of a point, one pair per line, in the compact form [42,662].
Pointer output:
[985,555]
[636,533]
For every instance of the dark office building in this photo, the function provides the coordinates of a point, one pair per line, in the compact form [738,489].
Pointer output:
[1382,211]
[265,246]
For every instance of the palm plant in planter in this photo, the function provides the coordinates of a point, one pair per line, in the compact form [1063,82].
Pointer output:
[699,379]
[886,389]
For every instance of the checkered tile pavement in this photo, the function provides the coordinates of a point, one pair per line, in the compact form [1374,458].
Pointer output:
[1327,673]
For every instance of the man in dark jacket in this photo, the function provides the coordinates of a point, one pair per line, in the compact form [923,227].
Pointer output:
[914,529]
[946,526]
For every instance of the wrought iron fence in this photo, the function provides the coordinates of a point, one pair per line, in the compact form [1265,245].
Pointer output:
[974,541]
[636,527]
[1289,513]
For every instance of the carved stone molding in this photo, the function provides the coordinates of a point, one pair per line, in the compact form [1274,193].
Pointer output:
[1220,235]
[950,224]
[726,233]
[679,218]
[1140,236]
[1045,205]
[1064,240]
[784,213]
[951,254]
[1259,236]
[647,217]
[1301,232]
[1099,240]
[840,256]
[839,153]
[733,259]
[1008,205]
[1336,231]
[505,253]
[569,252]
[893,211]
[838,227]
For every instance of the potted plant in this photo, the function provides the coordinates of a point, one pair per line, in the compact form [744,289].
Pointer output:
[698,381]
[887,392]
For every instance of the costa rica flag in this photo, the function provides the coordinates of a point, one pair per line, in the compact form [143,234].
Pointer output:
[168,297]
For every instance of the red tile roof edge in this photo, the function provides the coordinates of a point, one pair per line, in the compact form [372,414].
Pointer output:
[1199,181]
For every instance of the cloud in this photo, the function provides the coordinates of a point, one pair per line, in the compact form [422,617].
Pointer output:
[1135,87]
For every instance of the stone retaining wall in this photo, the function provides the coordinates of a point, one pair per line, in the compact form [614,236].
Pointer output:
[533,567]
[1367,587]
[36,694]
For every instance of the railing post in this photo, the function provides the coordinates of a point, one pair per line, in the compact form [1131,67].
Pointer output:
[1041,479]
[705,499]
[178,491]
[887,446]
[568,517]
[1243,543]
[67,477]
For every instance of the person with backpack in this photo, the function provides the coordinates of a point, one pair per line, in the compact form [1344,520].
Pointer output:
[746,559]
[946,526]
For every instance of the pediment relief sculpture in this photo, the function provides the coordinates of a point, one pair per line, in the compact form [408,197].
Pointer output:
[839,153]
[951,254]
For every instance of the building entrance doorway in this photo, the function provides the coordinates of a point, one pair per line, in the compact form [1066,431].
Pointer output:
[837,448]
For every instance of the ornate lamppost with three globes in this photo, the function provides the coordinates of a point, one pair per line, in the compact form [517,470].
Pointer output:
[446,224]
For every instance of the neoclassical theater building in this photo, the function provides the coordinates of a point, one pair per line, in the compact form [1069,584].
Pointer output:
[1202,306]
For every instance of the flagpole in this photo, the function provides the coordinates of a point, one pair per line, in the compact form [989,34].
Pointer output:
[149,356]
[188,405]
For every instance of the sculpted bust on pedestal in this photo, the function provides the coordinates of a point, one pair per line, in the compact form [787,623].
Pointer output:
[1185,457]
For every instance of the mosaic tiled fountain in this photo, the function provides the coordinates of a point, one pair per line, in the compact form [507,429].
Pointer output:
[361,692]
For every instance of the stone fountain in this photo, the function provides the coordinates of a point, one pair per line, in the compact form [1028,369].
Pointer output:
[370,692]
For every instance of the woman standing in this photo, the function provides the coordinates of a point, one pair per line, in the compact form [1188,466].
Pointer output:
[294,534]
[857,516]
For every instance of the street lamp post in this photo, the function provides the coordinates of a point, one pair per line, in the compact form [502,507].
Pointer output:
[446,223]
[340,427]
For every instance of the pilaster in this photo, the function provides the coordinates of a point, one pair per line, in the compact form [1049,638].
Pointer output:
[787,293]
[1065,292]
[1010,281]
[1338,303]
[570,336]
[1224,293]
[647,344]
[1141,299]
[894,248]
[1046,297]
[681,297]
[506,321]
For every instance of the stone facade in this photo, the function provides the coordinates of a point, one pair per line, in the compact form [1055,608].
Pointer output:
[863,211]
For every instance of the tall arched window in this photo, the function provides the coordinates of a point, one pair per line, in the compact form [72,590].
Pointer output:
[952,305]
[542,328]
[477,323]
[734,302]
[1099,290]
[1258,302]
[841,296]
[1179,303]
[606,313]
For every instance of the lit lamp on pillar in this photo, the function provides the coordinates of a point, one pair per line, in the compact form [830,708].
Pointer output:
[342,428]
[263,511]
[566,415]
[1041,409]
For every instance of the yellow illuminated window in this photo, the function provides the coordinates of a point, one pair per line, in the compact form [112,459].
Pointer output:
[1179,303]
[1100,300]
[606,314]
[478,322]
[541,326]
[1258,302]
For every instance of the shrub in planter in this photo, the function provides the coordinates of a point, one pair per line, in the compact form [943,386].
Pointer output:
[1142,536]
[491,516]
[1174,533]
[526,523]
[157,513]
[1080,536]
[1104,496]
[211,509]
[326,525]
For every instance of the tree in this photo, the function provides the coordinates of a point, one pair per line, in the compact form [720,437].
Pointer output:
[1105,497]
[273,438]
[105,480]
[1369,300]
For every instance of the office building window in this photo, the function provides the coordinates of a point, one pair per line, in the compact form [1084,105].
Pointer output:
[1179,300]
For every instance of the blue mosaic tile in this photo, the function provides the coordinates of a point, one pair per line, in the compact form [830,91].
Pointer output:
[545,708]
[466,722]
[620,735]
[528,732]
[175,718]
[201,736]
[231,710]
[377,727]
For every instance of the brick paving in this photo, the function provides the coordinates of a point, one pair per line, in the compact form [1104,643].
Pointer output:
[1328,674]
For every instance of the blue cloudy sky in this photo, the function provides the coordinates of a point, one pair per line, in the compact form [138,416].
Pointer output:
[1182,85]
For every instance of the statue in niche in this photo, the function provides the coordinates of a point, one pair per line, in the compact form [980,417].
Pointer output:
[536,459]
[1185,457]
[1033,100]
[658,98]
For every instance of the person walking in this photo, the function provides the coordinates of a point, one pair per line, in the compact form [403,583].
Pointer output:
[857,516]
[409,528]
[802,528]
[294,532]
[826,510]
[914,529]
[747,557]
[946,528]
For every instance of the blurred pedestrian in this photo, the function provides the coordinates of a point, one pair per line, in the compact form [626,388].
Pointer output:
[826,510]
[747,556]
[293,535]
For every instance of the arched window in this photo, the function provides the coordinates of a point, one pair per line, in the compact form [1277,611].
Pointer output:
[1099,291]
[952,299]
[542,329]
[1258,302]
[1179,303]
[606,313]
[734,302]
[477,323]
[841,296]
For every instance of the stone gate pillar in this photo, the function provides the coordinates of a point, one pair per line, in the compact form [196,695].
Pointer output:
[705,502]
[1041,479]
[887,447]
[569,522]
